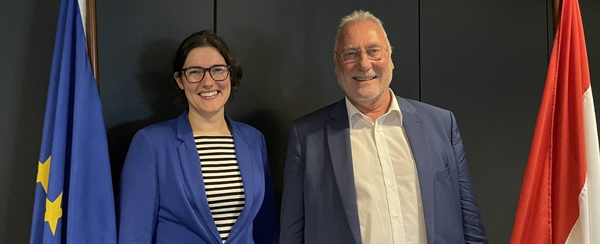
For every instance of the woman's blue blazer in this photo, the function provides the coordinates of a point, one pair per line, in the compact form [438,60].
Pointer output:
[162,194]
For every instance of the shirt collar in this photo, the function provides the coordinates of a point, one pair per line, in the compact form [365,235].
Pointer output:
[353,112]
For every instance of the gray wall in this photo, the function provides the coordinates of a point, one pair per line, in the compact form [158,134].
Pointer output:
[484,60]
[27,31]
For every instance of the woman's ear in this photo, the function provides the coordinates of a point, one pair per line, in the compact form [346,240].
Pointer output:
[178,79]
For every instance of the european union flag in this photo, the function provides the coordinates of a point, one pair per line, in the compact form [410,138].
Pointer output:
[74,195]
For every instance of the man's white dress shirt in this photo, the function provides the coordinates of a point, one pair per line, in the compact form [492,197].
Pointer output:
[385,175]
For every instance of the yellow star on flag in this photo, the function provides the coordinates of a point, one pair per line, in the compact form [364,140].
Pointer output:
[44,173]
[53,212]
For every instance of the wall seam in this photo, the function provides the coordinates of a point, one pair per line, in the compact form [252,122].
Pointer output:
[215,16]
[419,48]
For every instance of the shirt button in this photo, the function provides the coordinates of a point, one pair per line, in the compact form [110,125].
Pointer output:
[391,185]
[395,216]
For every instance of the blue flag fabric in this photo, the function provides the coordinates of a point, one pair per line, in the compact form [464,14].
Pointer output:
[74,201]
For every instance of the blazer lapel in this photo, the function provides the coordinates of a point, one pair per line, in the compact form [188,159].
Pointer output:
[192,177]
[419,143]
[246,165]
[338,139]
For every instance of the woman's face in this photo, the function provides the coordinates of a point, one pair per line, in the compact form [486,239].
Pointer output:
[206,97]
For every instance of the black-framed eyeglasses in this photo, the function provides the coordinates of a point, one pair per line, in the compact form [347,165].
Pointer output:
[195,74]
[352,56]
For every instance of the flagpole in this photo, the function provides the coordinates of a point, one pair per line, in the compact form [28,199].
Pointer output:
[92,38]
[556,7]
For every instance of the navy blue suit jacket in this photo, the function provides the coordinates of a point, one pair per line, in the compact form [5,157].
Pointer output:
[319,196]
[163,197]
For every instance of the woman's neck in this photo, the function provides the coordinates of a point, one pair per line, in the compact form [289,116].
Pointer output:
[210,125]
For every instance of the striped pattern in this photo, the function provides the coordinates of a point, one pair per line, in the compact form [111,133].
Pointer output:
[221,174]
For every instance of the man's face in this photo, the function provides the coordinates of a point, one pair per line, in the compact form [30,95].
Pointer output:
[363,80]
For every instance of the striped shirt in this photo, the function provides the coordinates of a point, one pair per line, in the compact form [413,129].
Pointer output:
[223,181]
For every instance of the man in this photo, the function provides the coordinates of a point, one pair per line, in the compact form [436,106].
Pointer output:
[374,167]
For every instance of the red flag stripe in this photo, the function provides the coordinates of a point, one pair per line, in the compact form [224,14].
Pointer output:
[556,169]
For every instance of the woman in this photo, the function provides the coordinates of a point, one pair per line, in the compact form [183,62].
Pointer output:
[202,177]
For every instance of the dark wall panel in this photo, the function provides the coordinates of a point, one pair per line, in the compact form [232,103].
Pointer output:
[286,51]
[27,31]
[137,40]
[486,61]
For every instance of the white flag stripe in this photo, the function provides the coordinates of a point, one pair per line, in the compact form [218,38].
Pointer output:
[587,227]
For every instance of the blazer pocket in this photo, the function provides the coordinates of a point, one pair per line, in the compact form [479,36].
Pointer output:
[443,174]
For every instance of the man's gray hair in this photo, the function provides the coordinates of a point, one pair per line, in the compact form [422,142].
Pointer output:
[356,16]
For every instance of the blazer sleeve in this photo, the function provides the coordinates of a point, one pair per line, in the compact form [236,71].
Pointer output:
[292,206]
[139,193]
[473,229]
[265,223]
